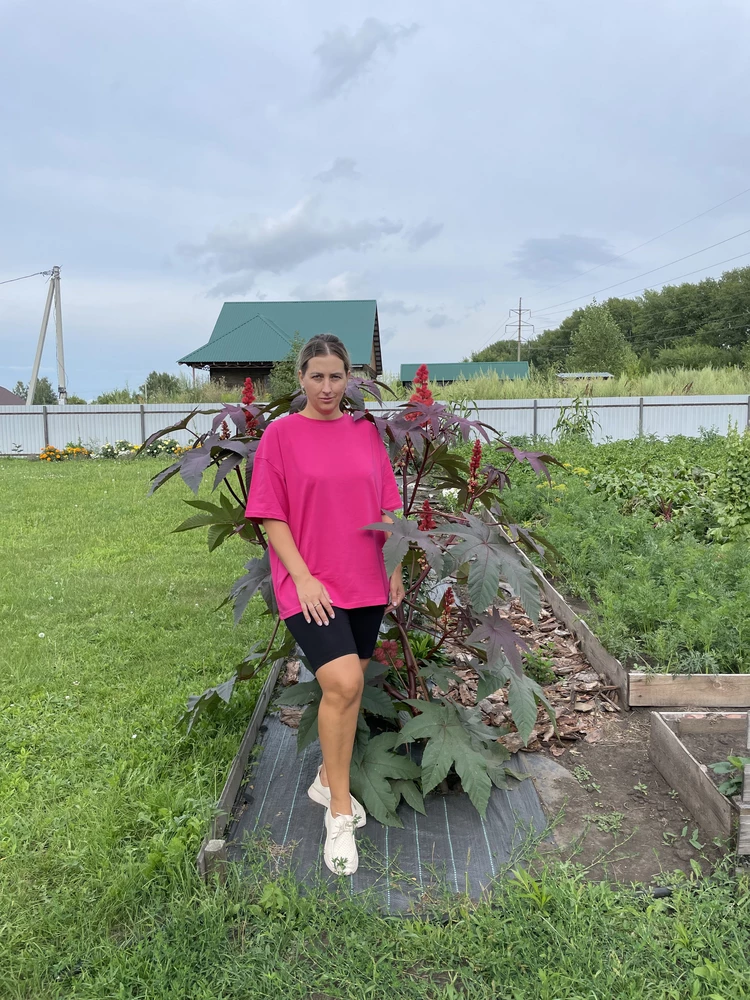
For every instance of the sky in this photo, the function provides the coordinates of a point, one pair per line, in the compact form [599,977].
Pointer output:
[442,158]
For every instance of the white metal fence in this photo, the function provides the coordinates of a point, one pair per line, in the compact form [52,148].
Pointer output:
[27,429]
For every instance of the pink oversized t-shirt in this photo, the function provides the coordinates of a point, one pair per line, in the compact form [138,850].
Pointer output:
[326,479]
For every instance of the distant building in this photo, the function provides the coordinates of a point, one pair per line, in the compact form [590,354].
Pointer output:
[445,373]
[585,375]
[8,398]
[250,336]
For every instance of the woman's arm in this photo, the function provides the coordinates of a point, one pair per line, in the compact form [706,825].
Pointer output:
[314,598]
[280,536]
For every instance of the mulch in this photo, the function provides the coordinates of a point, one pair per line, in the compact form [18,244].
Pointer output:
[580,698]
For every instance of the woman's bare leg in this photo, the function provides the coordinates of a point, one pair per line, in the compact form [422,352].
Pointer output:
[342,681]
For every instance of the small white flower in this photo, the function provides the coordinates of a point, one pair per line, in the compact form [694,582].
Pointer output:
[76,683]
[134,736]
[41,635]
[67,697]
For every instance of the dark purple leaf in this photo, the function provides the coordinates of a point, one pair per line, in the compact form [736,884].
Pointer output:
[259,571]
[161,477]
[226,466]
[403,531]
[194,464]
[240,448]
[181,425]
[538,460]
[499,641]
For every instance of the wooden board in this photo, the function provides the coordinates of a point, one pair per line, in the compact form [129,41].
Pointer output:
[700,723]
[236,771]
[712,810]
[689,690]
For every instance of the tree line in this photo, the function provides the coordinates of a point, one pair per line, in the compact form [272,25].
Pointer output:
[692,325]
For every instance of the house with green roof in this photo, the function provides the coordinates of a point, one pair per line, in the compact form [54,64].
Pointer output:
[249,337]
[445,373]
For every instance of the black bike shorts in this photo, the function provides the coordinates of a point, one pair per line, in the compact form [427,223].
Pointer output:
[353,630]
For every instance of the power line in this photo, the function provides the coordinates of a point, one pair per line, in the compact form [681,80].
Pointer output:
[644,273]
[653,239]
[676,277]
[24,276]
[645,337]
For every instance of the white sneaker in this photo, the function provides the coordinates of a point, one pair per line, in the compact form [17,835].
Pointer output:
[321,794]
[340,850]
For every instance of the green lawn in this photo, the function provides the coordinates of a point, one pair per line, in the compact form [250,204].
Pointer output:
[106,625]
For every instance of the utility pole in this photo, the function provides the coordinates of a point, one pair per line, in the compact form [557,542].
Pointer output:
[52,294]
[521,324]
[62,392]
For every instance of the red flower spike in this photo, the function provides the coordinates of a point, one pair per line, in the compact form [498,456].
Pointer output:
[421,393]
[248,393]
[474,463]
[476,458]
[426,519]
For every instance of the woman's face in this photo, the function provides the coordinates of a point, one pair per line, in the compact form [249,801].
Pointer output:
[324,383]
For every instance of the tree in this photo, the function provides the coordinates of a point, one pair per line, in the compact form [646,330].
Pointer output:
[282,378]
[116,396]
[501,350]
[76,401]
[44,394]
[159,384]
[598,345]
[690,353]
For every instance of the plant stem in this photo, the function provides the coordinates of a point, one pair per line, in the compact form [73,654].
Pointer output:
[243,489]
[411,663]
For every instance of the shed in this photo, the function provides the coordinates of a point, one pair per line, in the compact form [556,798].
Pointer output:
[249,337]
[604,375]
[445,373]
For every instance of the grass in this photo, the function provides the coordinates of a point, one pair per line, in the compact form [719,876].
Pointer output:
[103,805]
[673,382]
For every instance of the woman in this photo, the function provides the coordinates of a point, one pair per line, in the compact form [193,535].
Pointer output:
[318,477]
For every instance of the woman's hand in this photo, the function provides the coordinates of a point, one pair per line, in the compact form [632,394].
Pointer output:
[314,600]
[396,589]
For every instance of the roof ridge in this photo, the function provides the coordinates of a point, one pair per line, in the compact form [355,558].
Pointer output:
[273,326]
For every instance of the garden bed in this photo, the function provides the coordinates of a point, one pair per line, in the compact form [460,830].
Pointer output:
[688,774]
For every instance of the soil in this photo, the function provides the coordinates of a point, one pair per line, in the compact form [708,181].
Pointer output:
[710,748]
[618,818]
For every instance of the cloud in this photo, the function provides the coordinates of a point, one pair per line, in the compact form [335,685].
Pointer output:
[279,244]
[556,258]
[343,168]
[396,306]
[387,333]
[423,233]
[343,56]
[437,320]
[347,285]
